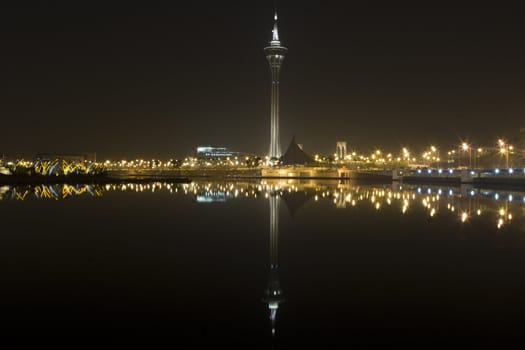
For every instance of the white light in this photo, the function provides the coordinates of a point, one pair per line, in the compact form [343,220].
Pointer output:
[496,171]
[440,171]
[419,171]
[511,197]
[450,171]
[430,171]
[496,196]
[511,171]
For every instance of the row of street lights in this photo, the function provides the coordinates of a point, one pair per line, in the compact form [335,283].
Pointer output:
[503,147]
[432,155]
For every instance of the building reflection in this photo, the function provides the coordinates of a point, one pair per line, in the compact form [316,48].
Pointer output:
[49,191]
[465,203]
[273,293]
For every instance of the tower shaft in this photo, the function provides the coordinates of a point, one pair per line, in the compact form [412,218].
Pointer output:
[274,294]
[275,54]
[274,230]
[275,142]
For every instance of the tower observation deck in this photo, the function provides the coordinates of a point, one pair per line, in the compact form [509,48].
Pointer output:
[275,54]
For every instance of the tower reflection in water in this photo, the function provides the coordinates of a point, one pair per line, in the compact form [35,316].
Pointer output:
[496,210]
[273,293]
[465,202]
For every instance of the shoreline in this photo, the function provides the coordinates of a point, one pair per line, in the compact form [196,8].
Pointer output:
[188,175]
[15,180]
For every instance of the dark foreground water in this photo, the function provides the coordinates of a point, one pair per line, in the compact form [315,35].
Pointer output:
[264,264]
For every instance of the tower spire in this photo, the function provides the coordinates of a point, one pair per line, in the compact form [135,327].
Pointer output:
[275,32]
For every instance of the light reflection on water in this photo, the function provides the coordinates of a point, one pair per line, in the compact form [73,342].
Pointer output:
[459,205]
[466,203]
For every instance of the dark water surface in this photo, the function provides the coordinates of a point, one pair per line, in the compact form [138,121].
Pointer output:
[265,264]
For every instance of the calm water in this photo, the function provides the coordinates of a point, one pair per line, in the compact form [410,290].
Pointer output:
[265,264]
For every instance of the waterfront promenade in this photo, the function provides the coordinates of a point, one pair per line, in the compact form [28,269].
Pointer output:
[476,177]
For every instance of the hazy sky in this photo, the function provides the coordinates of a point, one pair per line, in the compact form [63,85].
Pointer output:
[156,80]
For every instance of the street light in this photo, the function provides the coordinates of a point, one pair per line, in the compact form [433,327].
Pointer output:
[406,155]
[465,147]
[434,150]
[476,159]
[505,150]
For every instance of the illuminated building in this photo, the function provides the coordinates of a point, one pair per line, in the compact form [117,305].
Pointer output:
[214,152]
[275,54]
[70,157]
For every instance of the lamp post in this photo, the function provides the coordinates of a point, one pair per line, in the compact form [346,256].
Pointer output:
[505,149]
[466,148]
[435,151]
[509,149]
[451,157]
[406,156]
[476,158]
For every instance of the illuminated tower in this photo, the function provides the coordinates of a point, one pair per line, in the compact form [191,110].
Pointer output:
[273,292]
[275,55]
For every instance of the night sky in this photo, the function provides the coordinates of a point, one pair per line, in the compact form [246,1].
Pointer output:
[158,79]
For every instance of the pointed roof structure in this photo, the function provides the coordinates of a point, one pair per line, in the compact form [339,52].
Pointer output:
[295,155]
[295,200]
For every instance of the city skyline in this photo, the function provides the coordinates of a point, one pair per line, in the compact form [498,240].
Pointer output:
[158,82]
